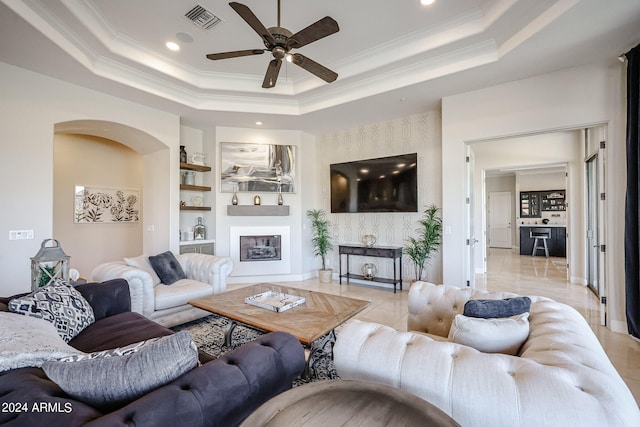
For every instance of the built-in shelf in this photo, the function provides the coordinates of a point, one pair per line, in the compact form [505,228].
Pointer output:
[195,208]
[194,187]
[257,210]
[192,167]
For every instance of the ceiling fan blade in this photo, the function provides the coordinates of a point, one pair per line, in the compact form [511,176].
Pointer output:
[271,75]
[253,21]
[322,28]
[234,54]
[314,68]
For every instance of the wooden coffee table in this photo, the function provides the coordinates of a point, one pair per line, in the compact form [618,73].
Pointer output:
[319,315]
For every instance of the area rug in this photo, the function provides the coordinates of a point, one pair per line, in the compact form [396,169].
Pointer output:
[208,334]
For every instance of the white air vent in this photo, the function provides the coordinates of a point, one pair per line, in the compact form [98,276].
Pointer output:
[202,17]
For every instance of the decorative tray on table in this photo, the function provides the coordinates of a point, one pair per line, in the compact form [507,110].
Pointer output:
[275,301]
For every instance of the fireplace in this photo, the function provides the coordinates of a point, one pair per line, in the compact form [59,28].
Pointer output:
[260,251]
[260,248]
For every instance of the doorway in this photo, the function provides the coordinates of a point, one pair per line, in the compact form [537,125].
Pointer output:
[563,148]
[595,198]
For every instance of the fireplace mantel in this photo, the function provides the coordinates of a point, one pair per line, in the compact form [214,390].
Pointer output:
[257,210]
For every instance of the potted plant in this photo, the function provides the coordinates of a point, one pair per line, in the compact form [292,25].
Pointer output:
[421,248]
[321,241]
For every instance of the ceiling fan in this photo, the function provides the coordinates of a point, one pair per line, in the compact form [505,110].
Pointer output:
[279,41]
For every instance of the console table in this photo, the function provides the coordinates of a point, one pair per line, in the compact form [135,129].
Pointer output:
[392,252]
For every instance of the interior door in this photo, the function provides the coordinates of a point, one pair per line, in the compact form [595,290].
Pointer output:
[500,219]
[596,211]
[471,239]
[593,245]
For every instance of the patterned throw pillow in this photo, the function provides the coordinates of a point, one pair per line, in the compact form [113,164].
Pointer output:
[58,303]
[114,352]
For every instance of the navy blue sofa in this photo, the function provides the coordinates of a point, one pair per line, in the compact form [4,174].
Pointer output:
[220,392]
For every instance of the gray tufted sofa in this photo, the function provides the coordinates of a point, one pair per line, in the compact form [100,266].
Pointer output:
[560,377]
[219,393]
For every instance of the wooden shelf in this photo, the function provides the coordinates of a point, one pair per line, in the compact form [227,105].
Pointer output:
[194,187]
[195,208]
[192,167]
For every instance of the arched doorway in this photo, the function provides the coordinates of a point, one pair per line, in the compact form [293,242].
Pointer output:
[108,155]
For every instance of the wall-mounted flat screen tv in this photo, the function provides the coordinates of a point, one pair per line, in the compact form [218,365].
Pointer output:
[386,184]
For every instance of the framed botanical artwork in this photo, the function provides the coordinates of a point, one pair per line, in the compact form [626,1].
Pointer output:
[105,205]
[268,168]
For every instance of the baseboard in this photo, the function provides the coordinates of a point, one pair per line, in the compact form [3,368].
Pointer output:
[619,327]
[268,278]
[578,280]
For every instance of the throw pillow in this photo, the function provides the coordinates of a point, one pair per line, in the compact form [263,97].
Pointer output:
[487,308]
[167,267]
[505,335]
[29,342]
[58,303]
[142,262]
[114,352]
[111,382]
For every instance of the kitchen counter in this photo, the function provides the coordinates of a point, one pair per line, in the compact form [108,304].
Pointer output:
[557,244]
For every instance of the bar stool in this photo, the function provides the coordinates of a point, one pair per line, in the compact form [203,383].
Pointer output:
[540,234]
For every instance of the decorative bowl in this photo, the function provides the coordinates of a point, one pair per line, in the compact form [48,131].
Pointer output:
[369,240]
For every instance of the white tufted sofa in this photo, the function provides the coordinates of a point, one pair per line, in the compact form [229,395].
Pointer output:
[168,305]
[561,376]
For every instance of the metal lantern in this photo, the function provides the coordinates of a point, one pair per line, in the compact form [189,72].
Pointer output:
[49,264]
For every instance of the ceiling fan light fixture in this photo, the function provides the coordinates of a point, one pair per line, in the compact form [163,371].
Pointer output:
[279,41]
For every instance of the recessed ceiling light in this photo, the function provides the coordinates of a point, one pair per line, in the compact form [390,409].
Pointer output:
[184,37]
[172,46]
[259,123]
[427,2]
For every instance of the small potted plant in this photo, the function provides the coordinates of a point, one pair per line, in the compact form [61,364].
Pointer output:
[421,248]
[321,241]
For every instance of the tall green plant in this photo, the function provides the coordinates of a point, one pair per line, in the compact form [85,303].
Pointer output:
[321,236]
[421,248]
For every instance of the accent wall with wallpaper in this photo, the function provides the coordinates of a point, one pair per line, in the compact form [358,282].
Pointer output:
[419,133]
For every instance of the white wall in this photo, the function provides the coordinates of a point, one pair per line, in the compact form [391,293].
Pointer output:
[30,107]
[572,98]
[419,133]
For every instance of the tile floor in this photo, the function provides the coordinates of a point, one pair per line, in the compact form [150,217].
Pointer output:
[507,271]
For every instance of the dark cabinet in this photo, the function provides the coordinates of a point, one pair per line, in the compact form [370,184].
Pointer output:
[529,204]
[557,244]
[533,203]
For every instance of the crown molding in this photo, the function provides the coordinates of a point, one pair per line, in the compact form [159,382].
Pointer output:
[459,44]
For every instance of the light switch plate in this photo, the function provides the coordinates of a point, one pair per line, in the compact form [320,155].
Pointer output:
[20,234]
